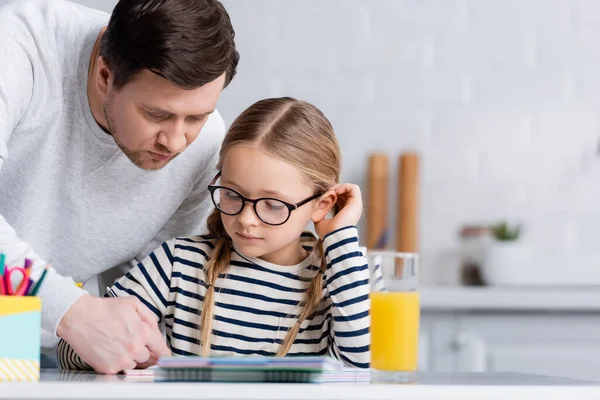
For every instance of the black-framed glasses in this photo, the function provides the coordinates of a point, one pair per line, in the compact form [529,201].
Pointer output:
[269,210]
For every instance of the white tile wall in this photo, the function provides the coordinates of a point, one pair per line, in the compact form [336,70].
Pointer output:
[501,98]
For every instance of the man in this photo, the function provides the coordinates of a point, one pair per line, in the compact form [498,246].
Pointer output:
[108,139]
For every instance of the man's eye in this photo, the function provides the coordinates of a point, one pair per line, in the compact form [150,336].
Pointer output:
[195,120]
[156,117]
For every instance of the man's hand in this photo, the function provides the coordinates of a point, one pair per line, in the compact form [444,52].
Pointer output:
[114,334]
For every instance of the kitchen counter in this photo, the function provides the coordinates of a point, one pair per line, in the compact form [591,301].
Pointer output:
[464,386]
[533,298]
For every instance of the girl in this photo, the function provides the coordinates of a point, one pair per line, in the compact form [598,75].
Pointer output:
[257,284]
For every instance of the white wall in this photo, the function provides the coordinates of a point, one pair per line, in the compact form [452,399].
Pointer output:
[501,97]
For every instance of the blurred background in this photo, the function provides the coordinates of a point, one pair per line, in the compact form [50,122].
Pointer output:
[500,102]
[499,98]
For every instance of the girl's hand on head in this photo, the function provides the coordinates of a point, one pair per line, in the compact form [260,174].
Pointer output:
[349,200]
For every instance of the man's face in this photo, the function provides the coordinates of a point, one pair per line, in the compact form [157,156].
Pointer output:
[153,121]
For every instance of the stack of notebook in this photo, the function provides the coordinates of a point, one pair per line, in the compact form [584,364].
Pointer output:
[248,369]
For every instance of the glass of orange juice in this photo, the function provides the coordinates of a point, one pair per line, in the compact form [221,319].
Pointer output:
[395,315]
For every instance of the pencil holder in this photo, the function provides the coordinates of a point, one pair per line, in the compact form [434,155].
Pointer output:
[20,332]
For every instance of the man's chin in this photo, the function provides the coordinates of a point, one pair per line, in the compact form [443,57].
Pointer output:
[140,160]
[151,165]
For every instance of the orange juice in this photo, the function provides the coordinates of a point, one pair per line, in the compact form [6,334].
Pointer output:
[394,331]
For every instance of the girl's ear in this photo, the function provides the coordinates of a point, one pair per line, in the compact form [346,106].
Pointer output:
[324,204]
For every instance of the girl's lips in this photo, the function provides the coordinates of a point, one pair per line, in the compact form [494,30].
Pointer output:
[247,237]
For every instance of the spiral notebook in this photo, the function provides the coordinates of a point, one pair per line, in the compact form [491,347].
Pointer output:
[249,369]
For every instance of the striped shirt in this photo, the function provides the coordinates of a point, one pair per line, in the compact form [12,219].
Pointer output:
[256,302]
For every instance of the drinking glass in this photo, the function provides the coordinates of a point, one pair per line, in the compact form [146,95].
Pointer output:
[395,315]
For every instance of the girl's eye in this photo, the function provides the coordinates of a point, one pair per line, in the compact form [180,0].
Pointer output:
[274,205]
[231,195]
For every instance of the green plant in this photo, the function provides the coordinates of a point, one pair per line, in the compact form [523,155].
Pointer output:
[503,232]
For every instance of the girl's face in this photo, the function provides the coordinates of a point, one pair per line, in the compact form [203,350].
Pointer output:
[254,174]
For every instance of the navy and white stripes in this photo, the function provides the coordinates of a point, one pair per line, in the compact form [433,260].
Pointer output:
[256,302]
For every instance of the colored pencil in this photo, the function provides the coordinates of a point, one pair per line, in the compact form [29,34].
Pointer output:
[38,284]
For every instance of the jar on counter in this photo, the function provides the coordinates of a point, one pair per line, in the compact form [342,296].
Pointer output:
[474,240]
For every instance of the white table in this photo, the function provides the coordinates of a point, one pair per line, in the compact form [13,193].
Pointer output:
[430,386]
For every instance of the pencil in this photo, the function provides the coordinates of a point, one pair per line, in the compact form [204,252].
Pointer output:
[36,288]
[2,260]
[29,285]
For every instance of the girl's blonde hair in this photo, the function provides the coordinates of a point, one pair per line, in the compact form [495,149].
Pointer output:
[297,133]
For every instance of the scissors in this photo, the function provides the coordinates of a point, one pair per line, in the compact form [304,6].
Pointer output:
[8,281]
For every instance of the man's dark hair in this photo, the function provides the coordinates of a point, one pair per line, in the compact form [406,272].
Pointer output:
[188,42]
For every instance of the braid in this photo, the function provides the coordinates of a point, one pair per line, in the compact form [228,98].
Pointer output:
[314,294]
[216,265]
